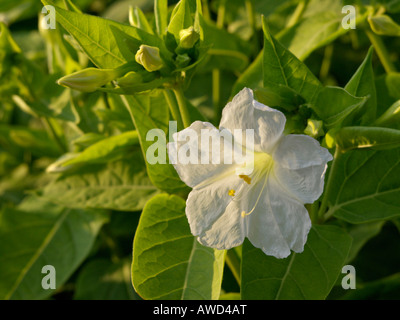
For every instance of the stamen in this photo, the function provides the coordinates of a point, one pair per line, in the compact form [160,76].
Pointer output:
[244,213]
[247,179]
[231,193]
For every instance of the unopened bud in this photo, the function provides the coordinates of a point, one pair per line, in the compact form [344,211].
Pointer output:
[188,38]
[314,128]
[130,79]
[182,60]
[149,58]
[88,80]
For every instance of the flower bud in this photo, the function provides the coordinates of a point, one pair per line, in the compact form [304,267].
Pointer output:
[88,80]
[314,128]
[188,38]
[149,58]
[182,60]
[130,79]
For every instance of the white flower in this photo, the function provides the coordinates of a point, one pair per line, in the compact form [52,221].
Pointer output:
[267,205]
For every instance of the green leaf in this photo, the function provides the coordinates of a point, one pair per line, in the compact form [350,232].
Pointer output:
[121,185]
[384,25]
[168,262]
[181,18]
[151,112]
[96,37]
[336,107]
[349,138]
[38,234]
[363,84]
[281,67]
[312,33]
[108,149]
[309,275]
[161,16]
[366,186]
[102,279]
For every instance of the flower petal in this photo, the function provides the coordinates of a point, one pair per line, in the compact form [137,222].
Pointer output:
[243,112]
[296,151]
[279,223]
[305,184]
[206,204]
[189,156]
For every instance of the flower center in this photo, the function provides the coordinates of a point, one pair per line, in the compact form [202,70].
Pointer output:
[261,166]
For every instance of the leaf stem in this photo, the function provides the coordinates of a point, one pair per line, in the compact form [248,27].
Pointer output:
[298,13]
[233,262]
[328,189]
[216,73]
[174,108]
[381,51]
[182,106]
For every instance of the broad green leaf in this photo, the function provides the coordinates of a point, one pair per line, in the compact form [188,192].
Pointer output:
[121,185]
[309,275]
[102,279]
[366,186]
[336,107]
[96,37]
[37,234]
[151,112]
[349,138]
[168,262]
[384,25]
[281,67]
[363,84]
[108,149]
[312,33]
[281,96]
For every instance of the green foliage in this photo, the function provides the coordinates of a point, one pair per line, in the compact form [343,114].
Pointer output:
[76,185]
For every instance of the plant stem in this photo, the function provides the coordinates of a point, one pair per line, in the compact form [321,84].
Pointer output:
[180,98]
[381,51]
[297,14]
[324,203]
[233,262]
[216,89]
[206,10]
[216,73]
[174,108]
[252,21]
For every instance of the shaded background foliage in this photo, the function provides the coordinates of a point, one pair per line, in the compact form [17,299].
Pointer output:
[74,182]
